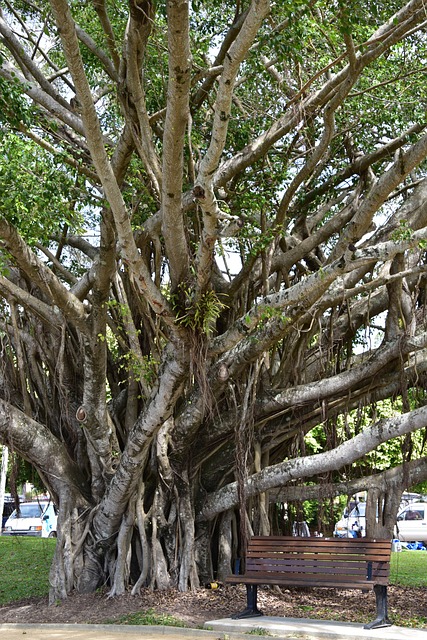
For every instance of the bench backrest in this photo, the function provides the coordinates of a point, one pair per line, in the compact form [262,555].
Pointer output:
[355,558]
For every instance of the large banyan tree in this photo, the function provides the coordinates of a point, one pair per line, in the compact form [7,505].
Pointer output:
[213,225]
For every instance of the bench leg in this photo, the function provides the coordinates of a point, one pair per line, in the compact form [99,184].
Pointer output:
[251,610]
[382,619]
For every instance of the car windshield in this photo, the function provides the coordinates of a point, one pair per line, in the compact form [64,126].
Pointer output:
[359,510]
[30,510]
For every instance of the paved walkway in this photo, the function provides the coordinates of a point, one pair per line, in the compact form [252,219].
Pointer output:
[314,629]
[226,629]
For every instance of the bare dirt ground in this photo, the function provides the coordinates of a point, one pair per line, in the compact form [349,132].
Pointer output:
[406,606]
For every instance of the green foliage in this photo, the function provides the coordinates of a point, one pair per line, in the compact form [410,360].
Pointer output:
[202,315]
[264,240]
[315,440]
[403,233]
[127,361]
[269,313]
[4,263]
[383,456]
[38,194]
[14,107]
[348,425]
[320,515]
[137,368]
[86,15]
[23,472]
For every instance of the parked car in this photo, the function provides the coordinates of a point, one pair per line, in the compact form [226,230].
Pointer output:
[37,519]
[411,525]
[8,508]
[353,524]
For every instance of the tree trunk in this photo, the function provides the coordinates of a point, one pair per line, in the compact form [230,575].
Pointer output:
[3,474]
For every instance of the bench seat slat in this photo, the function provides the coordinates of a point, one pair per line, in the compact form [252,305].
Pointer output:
[295,540]
[362,575]
[328,553]
[273,577]
[305,560]
[309,581]
[316,548]
[327,548]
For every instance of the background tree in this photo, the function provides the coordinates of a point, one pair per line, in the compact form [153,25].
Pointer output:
[213,231]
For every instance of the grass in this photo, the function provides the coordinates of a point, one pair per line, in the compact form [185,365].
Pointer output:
[151,618]
[24,567]
[409,568]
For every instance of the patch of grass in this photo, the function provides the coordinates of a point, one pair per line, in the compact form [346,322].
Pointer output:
[258,631]
[409,568]
[401,619]
[24,567]
[149,617]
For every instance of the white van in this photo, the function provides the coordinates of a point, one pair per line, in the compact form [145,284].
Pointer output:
[37,519]
[411,525]
[353,524]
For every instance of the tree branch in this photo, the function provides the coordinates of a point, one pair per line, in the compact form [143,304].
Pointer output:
[296,469]
[43,277]
[36,443]
[173,227]
[203,191]
[137,267]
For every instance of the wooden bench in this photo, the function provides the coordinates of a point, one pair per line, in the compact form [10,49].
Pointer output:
[339,563]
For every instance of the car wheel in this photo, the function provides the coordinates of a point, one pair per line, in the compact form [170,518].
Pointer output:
[52,534]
